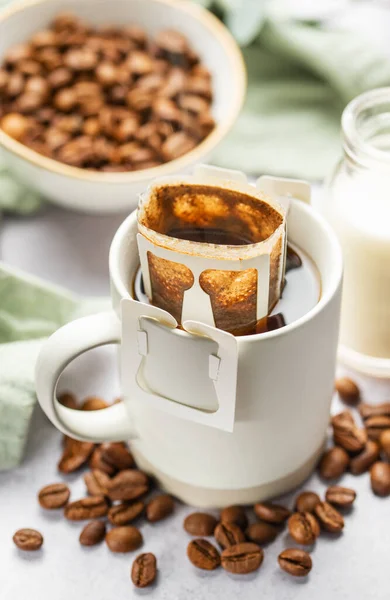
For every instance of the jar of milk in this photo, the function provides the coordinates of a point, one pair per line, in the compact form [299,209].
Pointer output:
[358,206]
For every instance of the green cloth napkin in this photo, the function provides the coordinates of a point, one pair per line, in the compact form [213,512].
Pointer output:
[30,310]
[301,76]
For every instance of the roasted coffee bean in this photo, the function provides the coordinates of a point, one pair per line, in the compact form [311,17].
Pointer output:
[97,483]
[92,507]
[159,508]
[68,400]
[199,523]
[234,514]
[242,558]
[128,485]
[93,533]
[97,462]
[333,463]
[348,391]
[15,125]
[380,478]
[124,539]
[329,518]
[75,455]
[384,442]
[144,570]
[81,59]
[374,410]
[228,534]
[60,77]
[94,403]
[306,502]
[17,53]
[376,425]
[349,436]
[203,555]
[271,513]
[28,539]
[363,461]
[117,455]
[340,496]
[295,562]
[124,513]
[65,99]
[343,418]
[53,496]
[176,145]
[303,528]
[261,533]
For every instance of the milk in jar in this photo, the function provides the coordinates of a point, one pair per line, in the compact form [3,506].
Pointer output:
[357,204]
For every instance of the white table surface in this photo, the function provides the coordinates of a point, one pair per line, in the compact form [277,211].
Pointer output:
[72,249]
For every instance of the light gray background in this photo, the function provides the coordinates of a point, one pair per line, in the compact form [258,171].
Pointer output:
[72,250]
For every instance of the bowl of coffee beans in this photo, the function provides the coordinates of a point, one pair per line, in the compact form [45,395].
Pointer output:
[97,98]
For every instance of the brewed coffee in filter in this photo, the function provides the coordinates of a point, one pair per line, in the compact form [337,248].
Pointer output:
[212,253]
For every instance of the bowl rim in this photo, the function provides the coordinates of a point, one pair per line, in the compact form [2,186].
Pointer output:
[231,48]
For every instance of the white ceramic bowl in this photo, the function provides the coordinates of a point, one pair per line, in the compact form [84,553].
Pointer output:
[97,192]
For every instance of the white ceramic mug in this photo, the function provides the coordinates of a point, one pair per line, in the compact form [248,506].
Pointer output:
[217,419]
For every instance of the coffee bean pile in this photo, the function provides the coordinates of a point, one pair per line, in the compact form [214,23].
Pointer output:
[105,98]
[117,493]
[359,447]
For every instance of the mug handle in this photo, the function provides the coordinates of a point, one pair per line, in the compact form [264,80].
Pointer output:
[66,344]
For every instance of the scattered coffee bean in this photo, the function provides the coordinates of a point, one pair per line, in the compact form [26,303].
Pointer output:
[242,558]
[295,562]
[347,435]
[94,403]
[234,514]
[345,417]
[228,534]
[117,455]
[348,391]
[28,539]
[376,425]
[374,410]
[92,507]
[97,462]
[97,483]
[128,485]
[53,496]
[199,523]
[124,513]
[271,513]
[124,539]
[303,528]
[330,519]
[333,463]
[144,570]
[362,462]
[159,508]
[203,555]
[93,533]
[306,502]
[261,533]
[68,400]
[75,455]
[380,478]
[384,442]
[340,496]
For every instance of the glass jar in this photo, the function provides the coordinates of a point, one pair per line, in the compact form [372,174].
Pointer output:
[357,205]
